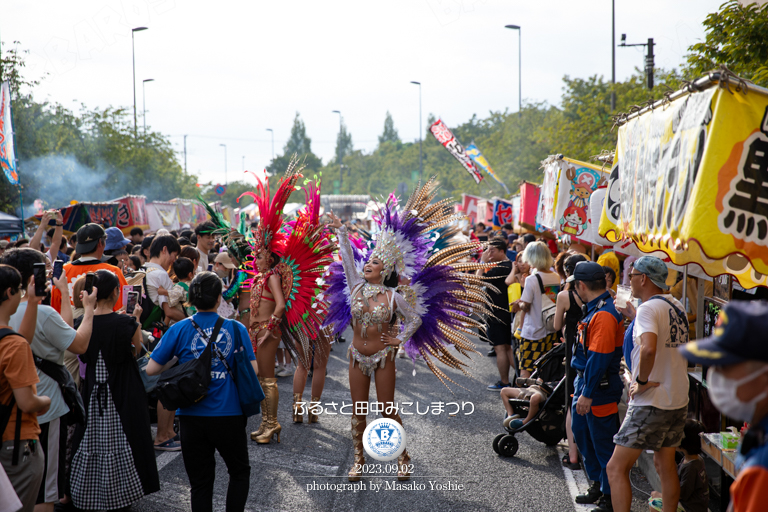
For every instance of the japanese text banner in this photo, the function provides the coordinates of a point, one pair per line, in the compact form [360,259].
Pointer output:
[504,213]
[446,138]
[7,151]
[690,180]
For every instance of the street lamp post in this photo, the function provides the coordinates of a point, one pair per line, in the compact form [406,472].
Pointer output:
[225,163]
[519,67]
[341,165]
[144,101]
[613,55]
[133,57]
[273,142]
[420,134]
[243,163]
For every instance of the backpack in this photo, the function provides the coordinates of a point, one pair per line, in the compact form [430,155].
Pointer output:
[548,308]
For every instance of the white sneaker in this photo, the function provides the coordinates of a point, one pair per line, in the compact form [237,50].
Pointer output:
[284,372]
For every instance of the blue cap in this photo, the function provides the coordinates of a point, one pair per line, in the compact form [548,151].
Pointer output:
[654,268]
[587,271]
[735,338]
[115,239]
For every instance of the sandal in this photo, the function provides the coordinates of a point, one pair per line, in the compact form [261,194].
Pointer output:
[571,465]
[169,446]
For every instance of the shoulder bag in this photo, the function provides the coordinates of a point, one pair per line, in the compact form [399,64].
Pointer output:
[548,308]
[187,384]
[69,391]
[249,391]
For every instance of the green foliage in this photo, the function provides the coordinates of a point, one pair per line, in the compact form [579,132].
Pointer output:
[298,144]
[736,36]
[390,133]
[343,142]
[90,155]
[234,190]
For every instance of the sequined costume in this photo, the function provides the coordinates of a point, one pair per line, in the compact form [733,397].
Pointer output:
[435,309]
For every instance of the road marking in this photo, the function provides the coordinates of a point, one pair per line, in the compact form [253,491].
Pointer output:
[165,458]
[576,480]
[298,462]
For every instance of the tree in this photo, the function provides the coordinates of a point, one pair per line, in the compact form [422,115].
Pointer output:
[301,146]
[343,143]
[736,36]
[390,133]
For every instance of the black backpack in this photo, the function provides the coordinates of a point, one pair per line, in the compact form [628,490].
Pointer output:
[187,384]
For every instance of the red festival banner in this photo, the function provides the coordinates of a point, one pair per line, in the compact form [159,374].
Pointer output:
[529,202]
[454,147]
[469,207]
[132,213]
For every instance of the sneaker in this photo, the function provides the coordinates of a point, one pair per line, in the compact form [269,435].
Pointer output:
[515,424]
[592,496]
[283,372]
[498,386]
[168,446]
[492,353]
[508,419]
[604,505]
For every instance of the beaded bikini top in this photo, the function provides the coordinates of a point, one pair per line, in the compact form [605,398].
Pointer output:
[381,313]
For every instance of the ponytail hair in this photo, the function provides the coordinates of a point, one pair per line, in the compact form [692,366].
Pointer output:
[205,290]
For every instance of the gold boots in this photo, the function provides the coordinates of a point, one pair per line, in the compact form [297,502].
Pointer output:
[263,421]
[403,461]
[358,427]
[269,412]
[315,403]
[298,413]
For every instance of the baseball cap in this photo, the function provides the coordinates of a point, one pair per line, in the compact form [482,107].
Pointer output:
[654,268]
[733,339]
[115,239]
[88,238]
[225,260]
[587,271]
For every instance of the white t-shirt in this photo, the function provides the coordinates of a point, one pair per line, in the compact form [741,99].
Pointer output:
[202,263]
[52,337]
[670,369]
[533,328]
[157,276]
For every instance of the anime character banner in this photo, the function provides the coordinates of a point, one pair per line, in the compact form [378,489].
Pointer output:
[454,147]
[691,179]
[576,183]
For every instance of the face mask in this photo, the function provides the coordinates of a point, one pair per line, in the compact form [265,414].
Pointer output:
[722,392]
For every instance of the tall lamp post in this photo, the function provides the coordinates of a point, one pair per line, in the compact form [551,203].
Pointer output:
[519,67]
[133,57]
[613,55]
[144,101]
[273,142]
[341,165]
[243,163]
[225,162]
[420,134]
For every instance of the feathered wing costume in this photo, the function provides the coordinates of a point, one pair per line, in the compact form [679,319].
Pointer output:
[443,291]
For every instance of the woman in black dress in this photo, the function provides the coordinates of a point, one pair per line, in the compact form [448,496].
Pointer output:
[114,462]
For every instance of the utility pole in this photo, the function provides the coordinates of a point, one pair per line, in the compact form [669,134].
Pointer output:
[185,154]
[133,58]
[519,67]
[339,155]
[273,142]
[225,163]
[649,58]
[613,55]
[144,102]
[421,167]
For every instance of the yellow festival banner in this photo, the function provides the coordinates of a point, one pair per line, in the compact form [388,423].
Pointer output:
[691,179]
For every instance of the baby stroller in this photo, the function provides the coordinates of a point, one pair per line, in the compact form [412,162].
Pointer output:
[548,426]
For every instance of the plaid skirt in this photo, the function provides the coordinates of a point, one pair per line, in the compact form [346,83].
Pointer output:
[530,350]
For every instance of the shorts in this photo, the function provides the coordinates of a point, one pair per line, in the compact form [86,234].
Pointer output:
[530,350]
[649,428]
[54,447]
[498,333]
[527,393]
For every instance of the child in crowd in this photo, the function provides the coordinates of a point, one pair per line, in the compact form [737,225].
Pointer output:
[178,296]
[610,278]
[694,490]
[535,391]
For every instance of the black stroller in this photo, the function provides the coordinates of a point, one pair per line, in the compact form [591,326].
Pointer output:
[548,426]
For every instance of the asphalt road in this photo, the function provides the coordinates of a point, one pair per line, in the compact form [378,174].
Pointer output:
[449,450]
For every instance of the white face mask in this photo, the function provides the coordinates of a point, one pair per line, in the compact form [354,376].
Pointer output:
[722,392]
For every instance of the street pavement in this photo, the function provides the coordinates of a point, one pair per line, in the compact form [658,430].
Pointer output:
[449,450]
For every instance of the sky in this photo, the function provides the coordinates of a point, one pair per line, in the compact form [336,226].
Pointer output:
[224,72]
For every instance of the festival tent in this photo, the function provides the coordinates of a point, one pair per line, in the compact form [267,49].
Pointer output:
[689,179]
[9,224]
